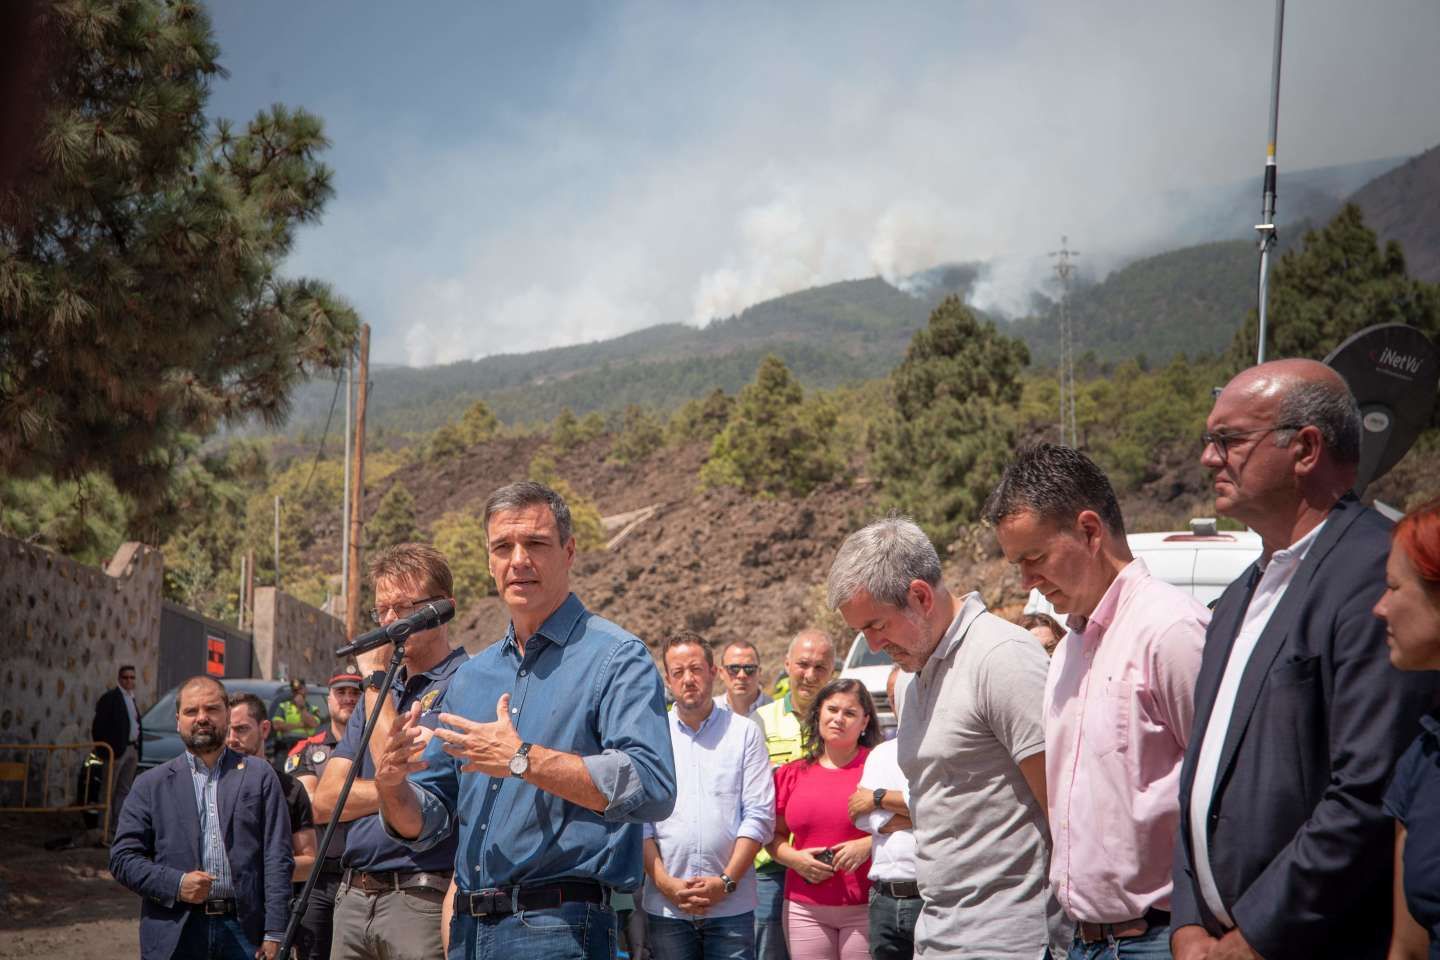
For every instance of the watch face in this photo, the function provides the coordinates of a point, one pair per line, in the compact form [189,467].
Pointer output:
[519,764]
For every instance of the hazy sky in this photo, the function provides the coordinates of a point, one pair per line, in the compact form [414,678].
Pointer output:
[517,176]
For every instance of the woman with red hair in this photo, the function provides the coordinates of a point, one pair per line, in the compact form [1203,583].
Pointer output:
[1410,608]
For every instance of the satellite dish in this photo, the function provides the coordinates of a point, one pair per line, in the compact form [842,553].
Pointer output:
[1393,370]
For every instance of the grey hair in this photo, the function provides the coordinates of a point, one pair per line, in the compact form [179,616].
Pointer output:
[528,493]
[883,559]
[1328,407]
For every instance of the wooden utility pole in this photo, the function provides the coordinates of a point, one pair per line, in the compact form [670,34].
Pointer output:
[277,541]
[249,612]
[240,606]
[357,491]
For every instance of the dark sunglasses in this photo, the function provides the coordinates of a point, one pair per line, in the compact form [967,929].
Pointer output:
[735,669]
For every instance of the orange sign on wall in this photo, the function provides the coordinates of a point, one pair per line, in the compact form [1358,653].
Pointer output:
[215,656]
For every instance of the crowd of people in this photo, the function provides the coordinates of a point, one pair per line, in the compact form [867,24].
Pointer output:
[1141,776]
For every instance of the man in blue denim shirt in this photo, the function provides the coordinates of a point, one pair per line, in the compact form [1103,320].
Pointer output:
[554,752]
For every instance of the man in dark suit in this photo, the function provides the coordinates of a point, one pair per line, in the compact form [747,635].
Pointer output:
[205,840]
[117,723]
[1283,848]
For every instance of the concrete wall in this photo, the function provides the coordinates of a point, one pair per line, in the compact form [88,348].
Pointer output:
[65,629]
[293,639]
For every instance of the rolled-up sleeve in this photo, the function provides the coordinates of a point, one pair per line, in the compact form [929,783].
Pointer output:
[757,800]
[635,770]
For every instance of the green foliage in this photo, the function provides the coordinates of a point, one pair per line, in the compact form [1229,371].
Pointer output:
[1186,301]
[951,428]
[394,521]
[447,442]
[565,431]
[140,289]
[776,441]
[640,435]
[592,426]
[585,522]
[84,519]
[460,536]
[478,424]
[700,420]
[1338,283]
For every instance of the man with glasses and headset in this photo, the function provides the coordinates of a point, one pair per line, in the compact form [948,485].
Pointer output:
[1283,847]
[740,666]
[388,904]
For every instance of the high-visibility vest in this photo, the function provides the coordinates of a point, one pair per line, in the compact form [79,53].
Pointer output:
[781,727]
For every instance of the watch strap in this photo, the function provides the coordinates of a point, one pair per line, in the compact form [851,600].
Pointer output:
[728,882]
[375,681]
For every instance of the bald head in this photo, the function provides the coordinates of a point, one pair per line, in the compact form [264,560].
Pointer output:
[813,638]
[1304,393]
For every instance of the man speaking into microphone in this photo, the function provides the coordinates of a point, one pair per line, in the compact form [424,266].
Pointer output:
[553,752]
[387,905]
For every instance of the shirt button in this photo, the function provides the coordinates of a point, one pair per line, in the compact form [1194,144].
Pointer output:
[514,709]
[483,826]
[494,786]
[522,673]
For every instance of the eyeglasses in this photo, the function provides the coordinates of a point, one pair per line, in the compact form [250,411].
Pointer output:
[735,669]
[401,610]
[127,676]
[1222,441]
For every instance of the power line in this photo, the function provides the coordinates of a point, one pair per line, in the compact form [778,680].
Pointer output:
[323,437]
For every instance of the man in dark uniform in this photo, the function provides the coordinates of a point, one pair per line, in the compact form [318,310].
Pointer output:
[307,763]
[248,732]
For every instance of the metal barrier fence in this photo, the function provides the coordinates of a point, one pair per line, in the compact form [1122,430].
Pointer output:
[21,771]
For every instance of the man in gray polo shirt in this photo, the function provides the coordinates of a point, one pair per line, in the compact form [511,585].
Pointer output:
[972,746]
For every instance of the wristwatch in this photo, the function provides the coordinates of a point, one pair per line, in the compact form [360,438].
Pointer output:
[520,763]
[879,796]
[375,681]
[729,884]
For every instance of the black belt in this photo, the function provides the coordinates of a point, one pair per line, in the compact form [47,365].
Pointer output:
[501,901]
[897,889]
[393,881]
[215,908]
[1089,932]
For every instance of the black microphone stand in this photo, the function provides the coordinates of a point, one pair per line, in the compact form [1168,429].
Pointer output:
[297,912]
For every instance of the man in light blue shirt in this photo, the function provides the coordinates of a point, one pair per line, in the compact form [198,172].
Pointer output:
[553,751]
[699,875]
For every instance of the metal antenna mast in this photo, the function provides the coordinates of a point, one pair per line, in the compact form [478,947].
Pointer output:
[1066,370]
[1266,227]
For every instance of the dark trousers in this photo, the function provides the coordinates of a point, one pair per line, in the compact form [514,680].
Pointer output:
[892,925]
[312,941]
[213,938]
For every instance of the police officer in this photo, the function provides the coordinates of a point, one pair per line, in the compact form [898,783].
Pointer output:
[306,763]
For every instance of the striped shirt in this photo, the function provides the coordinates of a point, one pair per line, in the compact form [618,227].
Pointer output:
[213,859]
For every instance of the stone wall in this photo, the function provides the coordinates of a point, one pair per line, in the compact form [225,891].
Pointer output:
[65,629]
[293,639]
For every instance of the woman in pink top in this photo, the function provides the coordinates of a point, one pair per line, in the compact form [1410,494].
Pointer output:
[827,881]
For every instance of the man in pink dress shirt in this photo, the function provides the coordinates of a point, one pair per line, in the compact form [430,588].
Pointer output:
[1119,699]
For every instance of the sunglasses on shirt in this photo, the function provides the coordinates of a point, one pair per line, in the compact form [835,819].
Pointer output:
[735,669]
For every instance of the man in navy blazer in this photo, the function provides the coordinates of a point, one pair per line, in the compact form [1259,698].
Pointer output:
[205,840]
[1283,848]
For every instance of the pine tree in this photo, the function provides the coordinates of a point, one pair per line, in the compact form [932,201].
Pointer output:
[478,423]
[565,432]
[951,428]
[640,435]
[140,298]
[394,520]
[776,441]
[1338,282]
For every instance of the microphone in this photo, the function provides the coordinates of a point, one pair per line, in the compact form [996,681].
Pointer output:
[430,615]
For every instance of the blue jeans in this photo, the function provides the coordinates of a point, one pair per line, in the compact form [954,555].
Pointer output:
[213,938]
[1153,944]
[721,938]
[892,925]
[571,931]
[769,915]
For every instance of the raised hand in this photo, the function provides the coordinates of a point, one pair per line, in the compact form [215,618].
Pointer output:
[400,755]
[485,747]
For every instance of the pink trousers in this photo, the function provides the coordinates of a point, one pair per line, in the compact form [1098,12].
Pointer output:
[813,932]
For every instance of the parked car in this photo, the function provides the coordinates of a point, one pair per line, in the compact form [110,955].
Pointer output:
[162,742]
